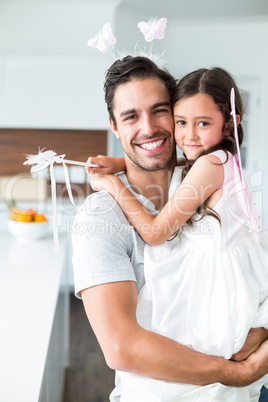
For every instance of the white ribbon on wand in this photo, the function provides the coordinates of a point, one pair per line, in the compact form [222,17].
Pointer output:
[47,159]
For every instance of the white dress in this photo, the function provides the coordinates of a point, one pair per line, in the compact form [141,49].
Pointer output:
[205,289]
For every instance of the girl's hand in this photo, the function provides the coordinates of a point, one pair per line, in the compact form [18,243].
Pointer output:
[107,182]
[107,165]
[254,339]
[258,363]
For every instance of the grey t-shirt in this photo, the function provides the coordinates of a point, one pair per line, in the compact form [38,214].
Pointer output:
[106,248]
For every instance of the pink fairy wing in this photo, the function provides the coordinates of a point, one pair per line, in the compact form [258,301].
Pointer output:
[242,192]
[245,202]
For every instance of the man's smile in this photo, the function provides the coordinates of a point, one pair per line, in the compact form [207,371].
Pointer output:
[151,145]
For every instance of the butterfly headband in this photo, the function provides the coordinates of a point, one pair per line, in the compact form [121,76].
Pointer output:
[152,29]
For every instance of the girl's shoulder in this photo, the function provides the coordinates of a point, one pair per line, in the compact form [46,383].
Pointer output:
[212,166]
[218,163]
[217,158]
[207,168]
[224,156]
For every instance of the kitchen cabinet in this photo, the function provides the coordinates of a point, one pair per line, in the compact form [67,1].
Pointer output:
[34,307]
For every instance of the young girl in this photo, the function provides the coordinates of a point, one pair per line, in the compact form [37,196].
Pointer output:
[206,268]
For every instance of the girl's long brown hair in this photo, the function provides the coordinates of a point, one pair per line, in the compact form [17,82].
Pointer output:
[217,83]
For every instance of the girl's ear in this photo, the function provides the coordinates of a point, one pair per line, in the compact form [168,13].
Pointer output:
[229,126]
[113,127]
[237,119]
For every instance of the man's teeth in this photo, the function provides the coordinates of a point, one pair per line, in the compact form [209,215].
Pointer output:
[152,145]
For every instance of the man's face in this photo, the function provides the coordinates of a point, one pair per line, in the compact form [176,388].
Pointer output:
[144,123]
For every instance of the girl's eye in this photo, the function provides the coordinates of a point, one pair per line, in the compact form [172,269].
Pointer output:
[203,123]
[181,122]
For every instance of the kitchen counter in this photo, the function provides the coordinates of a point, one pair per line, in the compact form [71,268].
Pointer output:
[34,313]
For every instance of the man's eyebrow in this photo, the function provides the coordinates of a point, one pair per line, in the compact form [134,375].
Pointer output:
[132,111]
[126,112]
[159,104]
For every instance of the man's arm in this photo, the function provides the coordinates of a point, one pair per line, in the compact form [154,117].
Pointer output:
[111,310]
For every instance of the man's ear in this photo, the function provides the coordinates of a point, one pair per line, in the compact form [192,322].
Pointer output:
[113,127]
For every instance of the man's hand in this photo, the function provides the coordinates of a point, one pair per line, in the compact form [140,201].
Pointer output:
[254,339]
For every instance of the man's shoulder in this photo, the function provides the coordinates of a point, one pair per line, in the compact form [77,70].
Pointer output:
[99,205]
[98,200]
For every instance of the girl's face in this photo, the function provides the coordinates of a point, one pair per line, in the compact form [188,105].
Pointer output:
[199,124]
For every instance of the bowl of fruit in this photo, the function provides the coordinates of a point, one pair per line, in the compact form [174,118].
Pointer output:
[26,225]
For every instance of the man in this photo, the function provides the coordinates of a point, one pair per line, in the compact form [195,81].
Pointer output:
[108,254]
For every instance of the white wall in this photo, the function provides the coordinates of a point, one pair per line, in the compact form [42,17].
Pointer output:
[49,77]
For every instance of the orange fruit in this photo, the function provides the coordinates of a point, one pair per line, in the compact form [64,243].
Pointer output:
[13,213]
[30,211]
[39,218]
[24,217]
[18,215]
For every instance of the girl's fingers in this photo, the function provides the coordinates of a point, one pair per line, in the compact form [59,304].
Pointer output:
[95,183]
[97,160]
[102,161]
[92,160]
[100,170]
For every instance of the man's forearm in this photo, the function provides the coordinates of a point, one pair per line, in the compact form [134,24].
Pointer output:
[161,358]
[128,347]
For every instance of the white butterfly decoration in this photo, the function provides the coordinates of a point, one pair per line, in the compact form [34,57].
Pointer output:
[43,160]
[153,29]
[104,39]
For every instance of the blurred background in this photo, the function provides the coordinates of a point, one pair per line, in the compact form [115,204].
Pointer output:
[51,95]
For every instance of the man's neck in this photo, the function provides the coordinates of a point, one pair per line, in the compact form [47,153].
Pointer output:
[152,185]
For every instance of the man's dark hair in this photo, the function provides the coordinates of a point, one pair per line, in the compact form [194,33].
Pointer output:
[129,68]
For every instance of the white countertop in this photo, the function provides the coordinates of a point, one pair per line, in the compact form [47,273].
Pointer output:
[30,275]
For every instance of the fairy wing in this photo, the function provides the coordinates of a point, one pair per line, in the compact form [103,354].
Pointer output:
[243,194]
[245,202]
